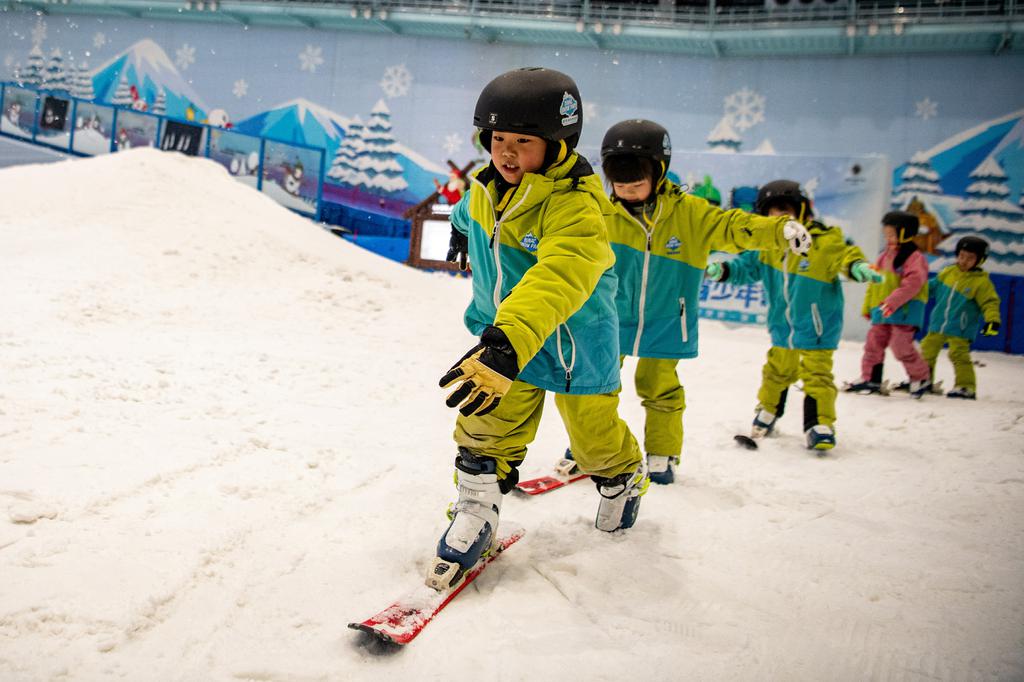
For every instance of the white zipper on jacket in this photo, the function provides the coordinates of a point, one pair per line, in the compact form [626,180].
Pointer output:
[682,318]
[561,357]
[496,238]
[785,297]
[643,277]
[819,327]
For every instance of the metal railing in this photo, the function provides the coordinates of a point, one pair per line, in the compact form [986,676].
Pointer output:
[723,12]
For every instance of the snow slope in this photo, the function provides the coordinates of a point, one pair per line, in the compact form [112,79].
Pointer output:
[221,440]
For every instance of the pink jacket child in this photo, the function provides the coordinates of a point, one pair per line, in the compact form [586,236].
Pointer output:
[896,307]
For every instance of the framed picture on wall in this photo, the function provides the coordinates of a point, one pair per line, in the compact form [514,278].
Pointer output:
[181,137]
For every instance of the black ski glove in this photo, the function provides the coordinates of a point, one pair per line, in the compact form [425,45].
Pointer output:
[990,329]
[458,249]
[486,372]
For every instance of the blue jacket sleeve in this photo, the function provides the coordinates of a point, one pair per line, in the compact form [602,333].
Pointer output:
[460,214]
[744,269]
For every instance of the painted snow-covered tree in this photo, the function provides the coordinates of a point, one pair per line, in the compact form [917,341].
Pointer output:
[32,74]
[918,178]
[160,106]
[123,94]
[54,77]
[346,167]
[82,88]
[379,158]
[724,139]
[988,213]
[916,192]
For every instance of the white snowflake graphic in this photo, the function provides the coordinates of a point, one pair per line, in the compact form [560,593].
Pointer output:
[311,57]
[590,112]
[99,40]
[744,109]
[38,33]
[452,143]
[927,109]
[240,88]
[185,56]
[396,81]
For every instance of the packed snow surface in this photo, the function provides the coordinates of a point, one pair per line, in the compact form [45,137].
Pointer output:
[221,440]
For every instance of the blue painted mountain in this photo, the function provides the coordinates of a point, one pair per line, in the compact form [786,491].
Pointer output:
[146,66]
[955,158]
[304,122]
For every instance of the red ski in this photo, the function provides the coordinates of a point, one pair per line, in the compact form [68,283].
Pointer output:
[566,472]
[545,484]
[399,623]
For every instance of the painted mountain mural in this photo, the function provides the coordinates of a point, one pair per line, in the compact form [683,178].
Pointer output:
[380,164]
[147,67]
[970,184]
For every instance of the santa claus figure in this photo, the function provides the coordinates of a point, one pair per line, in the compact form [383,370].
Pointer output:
[453,189]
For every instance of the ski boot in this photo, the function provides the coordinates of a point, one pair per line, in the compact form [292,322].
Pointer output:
[919,388]
[474,521]
[662,469]
[904,387]
[863,387]
[821,437]
[764,423]
[962,393]
[620,498]
[567,466]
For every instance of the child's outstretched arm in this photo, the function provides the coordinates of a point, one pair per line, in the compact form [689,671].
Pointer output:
[572,254]
[736,230]
[915,276]
[988,300]
[744,269]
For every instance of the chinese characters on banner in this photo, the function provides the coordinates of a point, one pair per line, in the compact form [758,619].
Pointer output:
[744,303]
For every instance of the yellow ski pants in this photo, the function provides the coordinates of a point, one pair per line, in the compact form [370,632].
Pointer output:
[959,355]
[664,401]
[814,368]
[601,442]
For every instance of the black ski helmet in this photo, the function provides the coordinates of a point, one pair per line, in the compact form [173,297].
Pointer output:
[641,138]
[783,192]
[533,101]
[906,224]
[975,245]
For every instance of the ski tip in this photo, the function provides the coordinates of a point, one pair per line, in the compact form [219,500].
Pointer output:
[746,441]
[374,641]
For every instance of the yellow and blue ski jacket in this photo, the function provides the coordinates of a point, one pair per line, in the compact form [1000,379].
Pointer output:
[960,299]
[904,291]
[660,260]
[805,296]
[542,274]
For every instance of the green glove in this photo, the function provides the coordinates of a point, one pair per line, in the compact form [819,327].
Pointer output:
[990,329]
[716,271]
[862,272]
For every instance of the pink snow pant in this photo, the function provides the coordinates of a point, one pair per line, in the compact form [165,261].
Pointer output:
[899,337]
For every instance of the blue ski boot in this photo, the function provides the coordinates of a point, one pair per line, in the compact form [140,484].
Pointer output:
[474,521]
[662,469]
[821,437]
[764,423]
[620,498]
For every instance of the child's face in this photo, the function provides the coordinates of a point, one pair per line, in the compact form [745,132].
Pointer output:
[781,210]
[516,154]
[965,260]
[892,238]
[633,191]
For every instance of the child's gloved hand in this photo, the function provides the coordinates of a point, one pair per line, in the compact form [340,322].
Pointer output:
[458,249]
[798,237]
[886,310]
[990,329]
[716,271]
[486,372]
[862,272]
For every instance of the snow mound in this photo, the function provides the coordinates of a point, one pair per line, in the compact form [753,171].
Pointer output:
[221,440]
